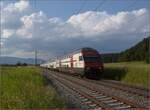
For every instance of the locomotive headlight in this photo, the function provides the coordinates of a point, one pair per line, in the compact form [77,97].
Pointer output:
[100,67]
[87,68]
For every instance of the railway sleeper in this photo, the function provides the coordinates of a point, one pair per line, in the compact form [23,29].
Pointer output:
[105,99]
[110,101]
[100,97]
[116,104]
[96,95]
[93,93]
[88,102]
[123,107]
[84,99]
[93,105]
[99,108]
[108,104]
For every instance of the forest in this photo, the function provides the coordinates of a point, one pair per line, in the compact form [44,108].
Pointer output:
[139,52]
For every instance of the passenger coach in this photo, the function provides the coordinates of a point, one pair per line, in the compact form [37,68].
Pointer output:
[84,62]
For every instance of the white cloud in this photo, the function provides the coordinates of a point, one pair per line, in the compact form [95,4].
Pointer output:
[6,33]
[103,23]
[87,20]
[11,14]
[20,6]
[26,30]
[23,53]
[88,24]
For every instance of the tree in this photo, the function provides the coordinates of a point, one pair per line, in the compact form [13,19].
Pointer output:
[18,63]
[24,64]
[139,52]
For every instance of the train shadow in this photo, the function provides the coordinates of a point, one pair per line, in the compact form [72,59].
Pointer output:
[113,73]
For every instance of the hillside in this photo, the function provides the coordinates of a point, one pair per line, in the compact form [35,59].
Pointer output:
[139,52]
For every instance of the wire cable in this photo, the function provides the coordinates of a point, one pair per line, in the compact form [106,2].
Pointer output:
[82,7]
[99,5]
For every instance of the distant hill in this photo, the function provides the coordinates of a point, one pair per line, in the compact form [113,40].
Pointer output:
[14,60]
[139,52]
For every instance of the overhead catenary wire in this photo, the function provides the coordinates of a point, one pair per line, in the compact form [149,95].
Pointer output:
[95,9]
[131,5]
[81,7]
[100,5]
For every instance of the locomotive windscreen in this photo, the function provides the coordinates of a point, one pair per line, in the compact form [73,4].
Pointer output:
[92,58]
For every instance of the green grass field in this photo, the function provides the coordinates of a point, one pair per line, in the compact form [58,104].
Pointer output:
[25,88]
[136,73]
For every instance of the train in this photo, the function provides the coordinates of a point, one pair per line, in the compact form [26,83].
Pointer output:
[85,62]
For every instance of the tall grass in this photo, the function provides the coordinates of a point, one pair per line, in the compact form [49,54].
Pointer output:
[25,88]
[137,73]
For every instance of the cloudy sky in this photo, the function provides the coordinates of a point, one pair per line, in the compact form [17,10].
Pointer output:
[54,28]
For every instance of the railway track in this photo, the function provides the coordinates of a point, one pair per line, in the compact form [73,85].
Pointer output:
[93,96]
[134,90]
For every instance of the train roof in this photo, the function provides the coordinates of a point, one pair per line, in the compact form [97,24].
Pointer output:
[75,51]
[78,50]
[87,49]
[83,49]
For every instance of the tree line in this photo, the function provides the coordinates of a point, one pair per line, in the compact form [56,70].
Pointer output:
[139,52]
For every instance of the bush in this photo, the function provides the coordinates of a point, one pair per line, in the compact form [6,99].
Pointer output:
[136,73]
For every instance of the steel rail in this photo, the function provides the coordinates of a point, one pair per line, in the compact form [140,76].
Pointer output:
[135,90]
[84,94]
[124,87]
[93,87]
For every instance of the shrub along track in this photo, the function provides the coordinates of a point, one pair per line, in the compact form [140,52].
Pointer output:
[94,96]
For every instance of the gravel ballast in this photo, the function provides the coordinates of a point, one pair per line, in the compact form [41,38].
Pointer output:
[71,99]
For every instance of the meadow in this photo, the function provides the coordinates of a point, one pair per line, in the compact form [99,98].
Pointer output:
[26,88]
[136,73]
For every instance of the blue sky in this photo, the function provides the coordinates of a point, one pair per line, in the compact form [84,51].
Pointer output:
[55,27]
[66,8]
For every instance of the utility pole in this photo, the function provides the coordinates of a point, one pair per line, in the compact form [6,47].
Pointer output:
[34,3]
[0,36]
[35,57]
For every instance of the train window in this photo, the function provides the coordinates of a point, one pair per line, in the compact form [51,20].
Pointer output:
[80,58]
[92,58]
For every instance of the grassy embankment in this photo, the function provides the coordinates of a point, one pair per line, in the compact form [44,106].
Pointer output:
[25,88]
[136,73]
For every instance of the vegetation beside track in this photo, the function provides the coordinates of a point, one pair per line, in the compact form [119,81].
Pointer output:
[26,88]
[136,73]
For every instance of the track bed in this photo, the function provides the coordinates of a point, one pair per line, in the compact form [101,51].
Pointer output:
[96,96]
